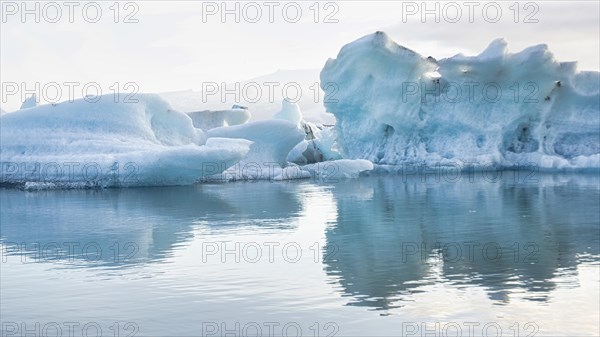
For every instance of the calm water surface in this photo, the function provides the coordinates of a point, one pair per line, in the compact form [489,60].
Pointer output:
[376,256]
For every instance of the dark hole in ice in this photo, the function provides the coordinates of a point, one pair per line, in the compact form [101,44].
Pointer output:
[521,140]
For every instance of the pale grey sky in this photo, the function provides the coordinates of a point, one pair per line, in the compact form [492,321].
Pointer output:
[178,45]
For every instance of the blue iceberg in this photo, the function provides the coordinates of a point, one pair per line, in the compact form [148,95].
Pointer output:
[396,107]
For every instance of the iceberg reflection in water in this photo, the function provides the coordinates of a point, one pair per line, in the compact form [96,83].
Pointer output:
[375,255]
[510,239]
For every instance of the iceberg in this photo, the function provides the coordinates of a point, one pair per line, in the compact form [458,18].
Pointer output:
[103,143]
[210,119]
[272,140]
[320,145]
[109,144]
[395,107]
[287,147]
[290,112]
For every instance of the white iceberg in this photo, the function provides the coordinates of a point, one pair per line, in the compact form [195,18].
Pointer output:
[272,140]
[289,112]
[394,106]
[83,144]
[87,144]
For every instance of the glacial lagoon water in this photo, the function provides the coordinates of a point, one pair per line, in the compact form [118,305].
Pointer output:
[376,256]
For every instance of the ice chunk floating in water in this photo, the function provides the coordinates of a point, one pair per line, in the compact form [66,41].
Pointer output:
[109,144]
[394,106]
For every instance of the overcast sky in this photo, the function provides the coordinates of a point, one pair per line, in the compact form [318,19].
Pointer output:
[178,45]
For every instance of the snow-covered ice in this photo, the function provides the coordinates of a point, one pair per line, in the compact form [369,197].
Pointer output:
[394,106]
[114,144]
[82,144]
[289,112]
[272,139]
